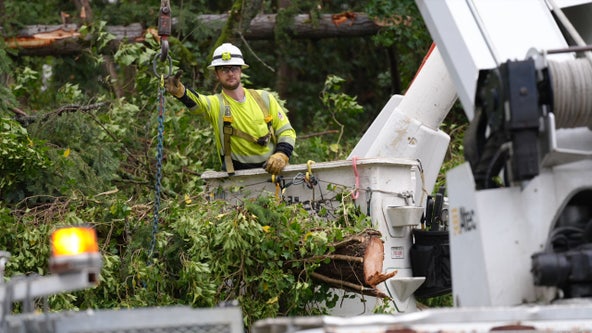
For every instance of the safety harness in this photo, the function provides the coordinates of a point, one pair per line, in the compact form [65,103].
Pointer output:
[229,131]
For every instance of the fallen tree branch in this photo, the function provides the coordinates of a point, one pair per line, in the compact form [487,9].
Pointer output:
[19,112]
[76,107]
[310,135]
[25,119]
[356,264]
[64,39]
[357,288]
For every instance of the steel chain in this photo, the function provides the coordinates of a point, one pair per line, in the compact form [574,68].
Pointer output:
[159,149]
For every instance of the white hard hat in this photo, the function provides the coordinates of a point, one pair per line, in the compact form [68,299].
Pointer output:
[227,55]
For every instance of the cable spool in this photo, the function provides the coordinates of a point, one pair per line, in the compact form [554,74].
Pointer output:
[571,82]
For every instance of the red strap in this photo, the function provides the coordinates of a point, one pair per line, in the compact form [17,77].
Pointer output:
[356,192]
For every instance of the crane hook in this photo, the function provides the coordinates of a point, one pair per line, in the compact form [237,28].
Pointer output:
[164,31]
[164,28]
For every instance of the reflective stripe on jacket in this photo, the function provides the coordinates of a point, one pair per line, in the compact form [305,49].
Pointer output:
[248,117]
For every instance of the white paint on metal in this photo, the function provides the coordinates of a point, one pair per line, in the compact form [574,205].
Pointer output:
[552,318]
[407,126]
[494,232]
[571,3]
[404,287]
[383,183]
[457,30]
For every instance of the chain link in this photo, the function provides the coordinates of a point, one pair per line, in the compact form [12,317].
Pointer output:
[159,149]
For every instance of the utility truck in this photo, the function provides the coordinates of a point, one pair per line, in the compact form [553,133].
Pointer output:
[511,238]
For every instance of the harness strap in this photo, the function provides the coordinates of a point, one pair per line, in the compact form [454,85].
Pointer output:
[227,157]
[266,116]
[229,131]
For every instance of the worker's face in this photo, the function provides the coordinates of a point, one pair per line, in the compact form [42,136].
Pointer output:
[229,76]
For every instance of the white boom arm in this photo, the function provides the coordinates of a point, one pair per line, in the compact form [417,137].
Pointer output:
[407,126]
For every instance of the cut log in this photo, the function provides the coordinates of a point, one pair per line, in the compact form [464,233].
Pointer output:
[41,40]
[66,39]
[356,265]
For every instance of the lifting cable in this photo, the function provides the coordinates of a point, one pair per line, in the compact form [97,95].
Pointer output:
[572,92]
[164,30]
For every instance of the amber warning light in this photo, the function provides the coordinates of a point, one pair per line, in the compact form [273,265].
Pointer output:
[74,249]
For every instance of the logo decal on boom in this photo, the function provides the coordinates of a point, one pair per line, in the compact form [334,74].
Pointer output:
[463,220]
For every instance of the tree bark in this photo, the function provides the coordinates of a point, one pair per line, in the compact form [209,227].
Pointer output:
[114,78]
[346,24]
[41,40]
[356,265]
[285,74]
[83,7]
[2,11]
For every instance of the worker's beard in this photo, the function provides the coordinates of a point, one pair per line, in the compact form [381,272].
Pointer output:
[234,86]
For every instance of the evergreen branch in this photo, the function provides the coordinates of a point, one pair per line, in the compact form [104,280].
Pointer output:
[244,40]
[22,117]
[307,136]
[75,107]
[25,119]
[112,136]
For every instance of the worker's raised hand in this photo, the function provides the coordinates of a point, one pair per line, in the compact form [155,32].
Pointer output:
[276,163]
[174,86]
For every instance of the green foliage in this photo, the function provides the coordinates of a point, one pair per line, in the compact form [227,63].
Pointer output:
[5,62]
[285,21]
[84,160]
[438,302]
[28,82]
[21,158]
[34,12]
[100,38]
[315,149]
[455,125]
[340,115]
[8,101]
[339,105]
[255,254]
[259,253]
[403,30]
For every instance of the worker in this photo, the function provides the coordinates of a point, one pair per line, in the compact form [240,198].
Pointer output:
[250,126]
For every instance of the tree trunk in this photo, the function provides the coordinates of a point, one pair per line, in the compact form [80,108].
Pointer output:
[394,69]
[356,265]
[41,40]
[347,25]
[2,11]
[285,75]
[83,7]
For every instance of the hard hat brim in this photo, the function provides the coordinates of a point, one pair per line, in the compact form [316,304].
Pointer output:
[213,66]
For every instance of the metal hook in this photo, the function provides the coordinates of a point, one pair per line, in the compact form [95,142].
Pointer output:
[154,65]
[164,28]
[164,48]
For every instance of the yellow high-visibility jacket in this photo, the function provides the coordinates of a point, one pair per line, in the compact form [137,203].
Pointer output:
[247,117]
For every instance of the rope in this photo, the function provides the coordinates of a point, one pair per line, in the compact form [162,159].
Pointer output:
[572,92]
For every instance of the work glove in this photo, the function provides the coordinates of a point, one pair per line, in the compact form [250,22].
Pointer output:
[276,163]
[174,86]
